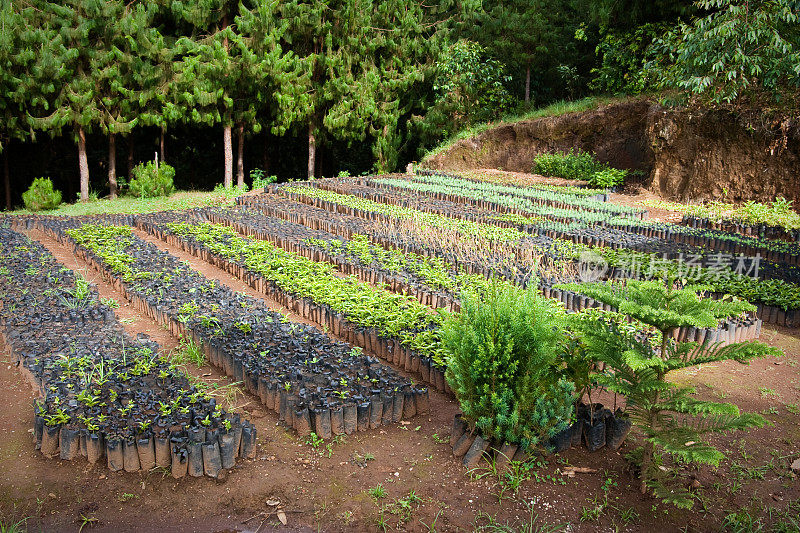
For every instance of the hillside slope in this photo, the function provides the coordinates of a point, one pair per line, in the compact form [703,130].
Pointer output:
[682,154]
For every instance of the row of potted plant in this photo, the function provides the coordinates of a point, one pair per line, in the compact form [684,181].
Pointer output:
[300,372]
[103,394]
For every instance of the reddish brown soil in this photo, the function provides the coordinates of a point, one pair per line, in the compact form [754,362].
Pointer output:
[325,490]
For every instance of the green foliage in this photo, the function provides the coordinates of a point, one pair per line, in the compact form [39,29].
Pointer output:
[623,55]
[608,177]
[740,46]
[777,213]
[672,420]
[41,196]
[578,165]
[525,33]
[504,368]
[151,180]
[260,180]
[469,88]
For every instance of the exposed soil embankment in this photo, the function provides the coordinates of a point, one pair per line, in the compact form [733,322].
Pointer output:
[683,154]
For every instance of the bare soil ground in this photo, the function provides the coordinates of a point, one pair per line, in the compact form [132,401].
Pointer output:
[325,488]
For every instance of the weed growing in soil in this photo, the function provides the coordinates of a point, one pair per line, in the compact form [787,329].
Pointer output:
[377,493]
[188,352]
[111,303]
[16,527]
[485,522]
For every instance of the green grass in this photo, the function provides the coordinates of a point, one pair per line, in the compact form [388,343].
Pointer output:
[555,109]
[132,205]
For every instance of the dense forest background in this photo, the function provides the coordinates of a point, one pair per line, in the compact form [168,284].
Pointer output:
[89,88]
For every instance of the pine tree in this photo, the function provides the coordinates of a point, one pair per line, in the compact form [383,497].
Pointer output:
[672,421]
[13,61]
[71,40]
[525,33]
[216,75]
[125,33]
[277,78]
[362,56]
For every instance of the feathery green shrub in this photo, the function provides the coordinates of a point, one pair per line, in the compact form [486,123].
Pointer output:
[503,365]
[673,422]
[41,195]
[151,180]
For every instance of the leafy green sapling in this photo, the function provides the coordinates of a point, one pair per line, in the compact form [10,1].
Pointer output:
[672,421]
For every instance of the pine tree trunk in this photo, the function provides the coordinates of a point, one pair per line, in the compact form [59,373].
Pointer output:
[228,147]
[647,459]
[528,83]
[312,150]
[319,163]
[163,144]
[112,166]
[83,164]
[240,158]
[7,178]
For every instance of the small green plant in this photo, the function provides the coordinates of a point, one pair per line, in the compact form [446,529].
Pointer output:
[188,352]
[87,522]
[79,295]
[16,527]
[607,178]
[152,180]
[439,439]
[314,441]
[111,303]
[377,492]
[41,196]
[260,180]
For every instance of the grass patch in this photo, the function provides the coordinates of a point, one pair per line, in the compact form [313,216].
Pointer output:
[562,107]
[130,205]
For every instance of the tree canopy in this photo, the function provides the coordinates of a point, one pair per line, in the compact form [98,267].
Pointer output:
[386,79]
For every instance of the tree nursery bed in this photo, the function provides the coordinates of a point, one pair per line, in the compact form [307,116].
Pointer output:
[283,365]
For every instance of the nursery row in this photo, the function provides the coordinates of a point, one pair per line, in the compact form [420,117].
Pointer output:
[314,383]
[458,189]
[772,295]
[613,230]
[601,195]
[775,220]
[428,279]
[103,393]
[726,265]
[505,194]
[373,317]
[728,331]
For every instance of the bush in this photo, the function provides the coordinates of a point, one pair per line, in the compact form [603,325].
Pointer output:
[610,177]
[151,180]
[260,180]
[578,165]
[41,195]
[503,365]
